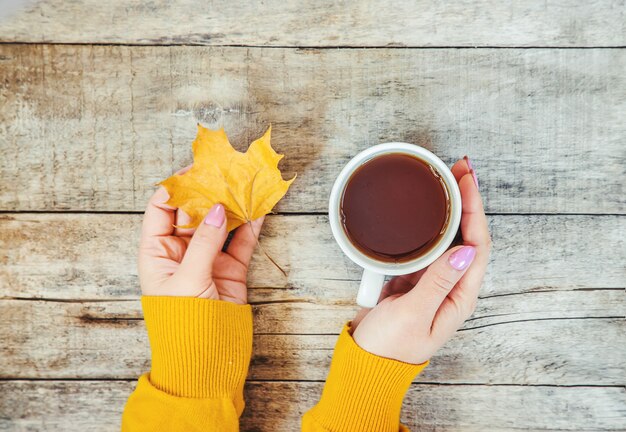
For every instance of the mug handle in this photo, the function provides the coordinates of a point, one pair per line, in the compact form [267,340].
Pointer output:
[370,288]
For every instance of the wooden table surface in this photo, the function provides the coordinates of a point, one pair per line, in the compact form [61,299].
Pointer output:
[99,100]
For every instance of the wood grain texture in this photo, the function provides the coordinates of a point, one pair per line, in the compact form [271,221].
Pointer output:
[92,256]
[324,23]
[97,406]
[525,340]
[94,127]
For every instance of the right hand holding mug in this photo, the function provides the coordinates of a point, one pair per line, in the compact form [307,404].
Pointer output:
[419,312]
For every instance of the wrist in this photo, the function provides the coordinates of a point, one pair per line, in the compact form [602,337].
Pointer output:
[363,391]
[200,348]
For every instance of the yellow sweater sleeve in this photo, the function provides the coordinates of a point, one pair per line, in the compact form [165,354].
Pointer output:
[200,356]
[363,392]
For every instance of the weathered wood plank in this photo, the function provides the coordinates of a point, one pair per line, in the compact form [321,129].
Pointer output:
[279,23]
[92,256]
[528,339]
[463,408]
[94,127]
[69,406]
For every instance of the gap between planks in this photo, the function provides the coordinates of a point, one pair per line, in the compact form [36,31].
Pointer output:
[318,47]
[95,320]
[283,213]
[260,303]
[260,381]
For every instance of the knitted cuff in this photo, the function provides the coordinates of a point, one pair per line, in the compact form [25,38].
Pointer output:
[200,348]
[363,392]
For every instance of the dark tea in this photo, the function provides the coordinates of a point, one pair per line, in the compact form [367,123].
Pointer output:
[395,207]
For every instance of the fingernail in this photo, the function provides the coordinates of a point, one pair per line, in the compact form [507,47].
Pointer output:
[468,162]
[475,178]
[215,216]
[462,258]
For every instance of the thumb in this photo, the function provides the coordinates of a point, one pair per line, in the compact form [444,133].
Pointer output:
[205,245]
[439,279]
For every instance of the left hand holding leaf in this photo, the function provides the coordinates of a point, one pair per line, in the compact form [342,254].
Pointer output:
[187,220]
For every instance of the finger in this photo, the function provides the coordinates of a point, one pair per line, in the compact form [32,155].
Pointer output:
[460,168]
[244,241]
[205,245]
[159,218]
[438,280]
[475,232]
[461,301]
[460,304]
[183,219]
[473,220]
[399,285]
[395,287]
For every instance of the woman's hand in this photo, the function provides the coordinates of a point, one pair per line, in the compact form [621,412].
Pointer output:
[190,262]
[418,313]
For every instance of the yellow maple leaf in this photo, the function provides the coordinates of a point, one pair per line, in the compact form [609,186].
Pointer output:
[248,184]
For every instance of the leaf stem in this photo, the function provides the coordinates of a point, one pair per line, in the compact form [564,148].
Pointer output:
[264,252]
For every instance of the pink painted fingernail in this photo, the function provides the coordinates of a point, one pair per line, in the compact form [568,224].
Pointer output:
[475,178]
[215,216]
[462,258]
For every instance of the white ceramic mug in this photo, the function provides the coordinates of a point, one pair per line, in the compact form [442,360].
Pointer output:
[374,270]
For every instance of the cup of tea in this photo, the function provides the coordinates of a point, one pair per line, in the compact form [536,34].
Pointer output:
[393,210]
